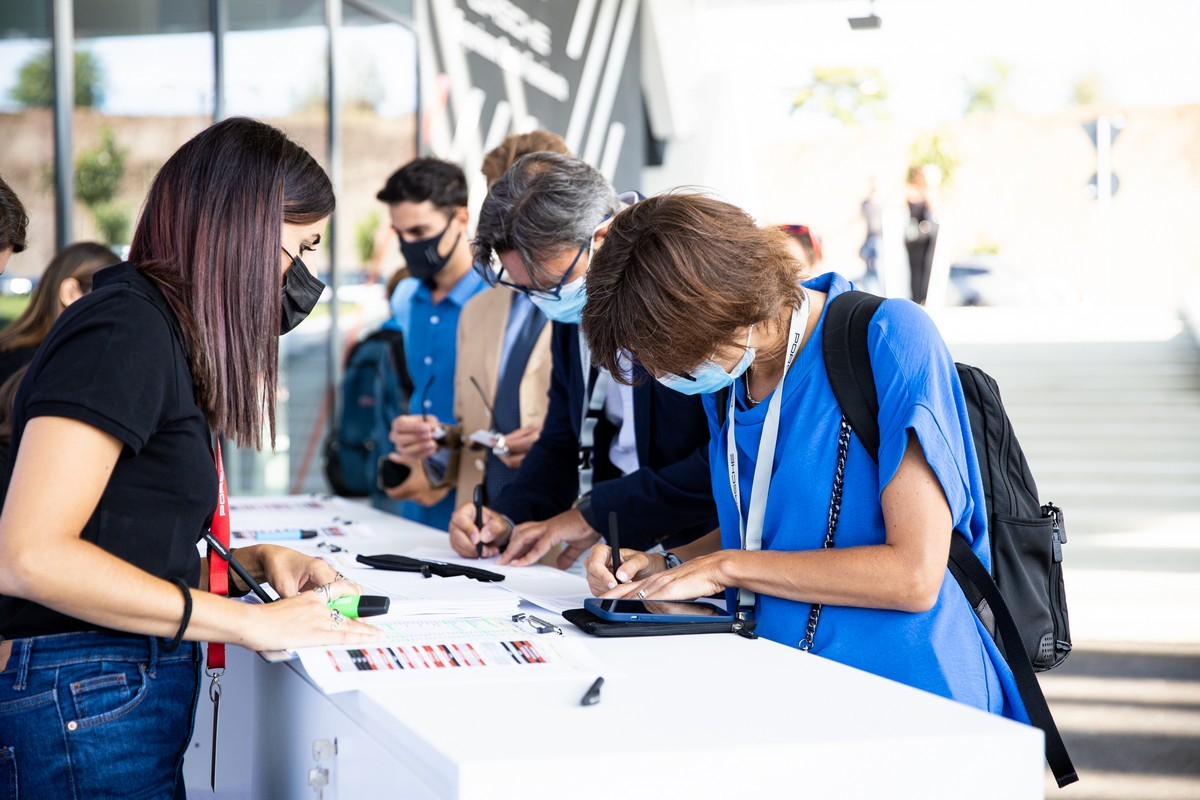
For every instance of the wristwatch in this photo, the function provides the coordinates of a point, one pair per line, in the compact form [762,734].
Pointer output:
[671,560]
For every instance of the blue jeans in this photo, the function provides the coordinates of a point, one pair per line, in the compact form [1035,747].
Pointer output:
[93,715]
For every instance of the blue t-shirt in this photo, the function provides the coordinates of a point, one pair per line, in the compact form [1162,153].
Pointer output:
[945,650]
[431,348]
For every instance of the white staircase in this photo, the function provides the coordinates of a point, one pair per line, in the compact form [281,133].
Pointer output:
[1111,430]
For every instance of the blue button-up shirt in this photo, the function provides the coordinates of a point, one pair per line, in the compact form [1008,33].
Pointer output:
[431,347]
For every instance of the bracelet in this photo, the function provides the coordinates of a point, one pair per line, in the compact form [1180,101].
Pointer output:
[187,615]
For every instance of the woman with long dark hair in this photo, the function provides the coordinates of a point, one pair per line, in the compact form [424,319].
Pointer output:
[67,277]
[710,303]
[113,480]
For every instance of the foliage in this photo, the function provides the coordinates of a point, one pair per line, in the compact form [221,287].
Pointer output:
[98,171]
[113,222]
[990,92]
[35,80]
[848,94]
[364,237]
[1088,90]
[986,246]
[934,149]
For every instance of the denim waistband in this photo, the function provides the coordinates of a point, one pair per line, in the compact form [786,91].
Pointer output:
[60,649]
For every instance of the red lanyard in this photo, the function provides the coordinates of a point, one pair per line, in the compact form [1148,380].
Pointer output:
[218,568]
[218,583]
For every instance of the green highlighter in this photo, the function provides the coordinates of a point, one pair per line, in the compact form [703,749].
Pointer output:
[360,605]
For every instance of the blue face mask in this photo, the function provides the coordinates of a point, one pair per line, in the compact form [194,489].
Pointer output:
[568,307]
[710,376]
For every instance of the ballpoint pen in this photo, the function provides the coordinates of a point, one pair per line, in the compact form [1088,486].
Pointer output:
[479,518]
[227,554]
[613,542]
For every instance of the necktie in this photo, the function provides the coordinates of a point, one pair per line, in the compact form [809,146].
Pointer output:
[507,407]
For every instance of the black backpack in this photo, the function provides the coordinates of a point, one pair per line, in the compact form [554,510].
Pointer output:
[376,388]
[1023,602]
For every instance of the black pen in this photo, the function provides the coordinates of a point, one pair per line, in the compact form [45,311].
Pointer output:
[592,695]
[614,543]
[479,518]
[227,554]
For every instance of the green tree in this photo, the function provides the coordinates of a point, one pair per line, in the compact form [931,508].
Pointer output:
[848,94]
[1088,90]
[934,149]
[990,92]
[364,237]
[98,173]
[35,81]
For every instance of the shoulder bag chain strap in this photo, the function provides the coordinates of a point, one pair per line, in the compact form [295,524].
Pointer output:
[835,510]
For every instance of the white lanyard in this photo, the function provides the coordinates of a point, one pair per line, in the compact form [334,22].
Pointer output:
[751,528]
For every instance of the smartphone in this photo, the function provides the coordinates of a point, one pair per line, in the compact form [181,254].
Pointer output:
[391,474]
[656,610]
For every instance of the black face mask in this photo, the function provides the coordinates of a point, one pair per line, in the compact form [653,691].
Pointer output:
[301,291]
[422,256]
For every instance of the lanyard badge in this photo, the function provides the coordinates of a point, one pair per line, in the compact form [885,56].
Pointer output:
[750,528]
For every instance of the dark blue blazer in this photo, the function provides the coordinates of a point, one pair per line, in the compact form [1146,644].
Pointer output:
[668,500]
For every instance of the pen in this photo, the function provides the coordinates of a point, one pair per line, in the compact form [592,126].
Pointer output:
[227,554]
[614,543]
[280,535]
[592,695]
[479,518]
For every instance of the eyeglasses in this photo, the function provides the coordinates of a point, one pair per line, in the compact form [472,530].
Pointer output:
[494,277]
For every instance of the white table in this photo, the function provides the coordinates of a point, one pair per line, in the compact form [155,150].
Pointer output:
[695,717]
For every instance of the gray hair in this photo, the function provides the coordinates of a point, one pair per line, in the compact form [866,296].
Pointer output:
[543,204]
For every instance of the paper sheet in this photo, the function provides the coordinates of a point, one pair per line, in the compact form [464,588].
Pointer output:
[423,652]
[545,587]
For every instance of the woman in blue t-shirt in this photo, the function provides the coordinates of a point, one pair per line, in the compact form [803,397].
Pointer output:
[112,477]
[712,304]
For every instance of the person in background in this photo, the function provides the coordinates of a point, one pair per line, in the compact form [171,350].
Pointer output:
[113,479]
[14,222]
[68,277]
[872,246]
[805,246]
[606,447]
[503,370]
[920,234]
[427,203]
[862,581]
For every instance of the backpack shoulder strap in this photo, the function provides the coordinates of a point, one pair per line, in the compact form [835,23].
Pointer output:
[848,363]
[968,569]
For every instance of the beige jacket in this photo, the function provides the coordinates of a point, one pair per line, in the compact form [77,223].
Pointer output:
[480,339]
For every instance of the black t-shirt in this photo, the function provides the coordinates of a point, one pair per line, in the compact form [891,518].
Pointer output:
[115,360]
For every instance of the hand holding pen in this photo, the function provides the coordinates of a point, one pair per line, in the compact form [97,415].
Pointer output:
[468,531]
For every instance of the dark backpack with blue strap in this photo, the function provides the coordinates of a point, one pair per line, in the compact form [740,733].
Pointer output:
[1022,602]
[376,389]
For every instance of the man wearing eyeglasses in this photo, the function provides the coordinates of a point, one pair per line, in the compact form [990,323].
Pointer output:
[605,447]
[427,203]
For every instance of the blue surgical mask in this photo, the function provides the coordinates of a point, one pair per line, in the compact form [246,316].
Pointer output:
[710,376]
[568,307]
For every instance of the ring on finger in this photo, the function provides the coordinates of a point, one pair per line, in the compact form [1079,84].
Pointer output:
[642,593]
[339,577]
[337,619]
[323,589]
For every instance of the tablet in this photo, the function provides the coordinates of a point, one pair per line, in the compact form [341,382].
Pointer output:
[651,610]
